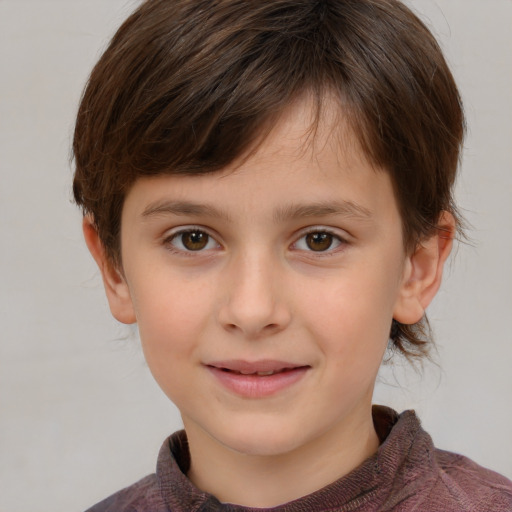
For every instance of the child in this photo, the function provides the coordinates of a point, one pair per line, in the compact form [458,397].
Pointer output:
[267,190]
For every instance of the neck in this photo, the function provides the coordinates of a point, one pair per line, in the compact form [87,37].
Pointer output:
[267,481]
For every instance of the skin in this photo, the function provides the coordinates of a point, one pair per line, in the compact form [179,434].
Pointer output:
[257,291]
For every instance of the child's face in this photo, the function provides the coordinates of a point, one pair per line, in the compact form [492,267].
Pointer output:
[292,261]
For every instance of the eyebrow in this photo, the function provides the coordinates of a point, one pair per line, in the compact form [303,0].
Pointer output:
[282,214]
[184,208]
[322,209]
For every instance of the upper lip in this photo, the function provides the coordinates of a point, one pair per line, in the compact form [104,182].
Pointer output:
[264,365]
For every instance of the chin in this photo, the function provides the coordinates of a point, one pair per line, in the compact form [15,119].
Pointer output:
[262,440]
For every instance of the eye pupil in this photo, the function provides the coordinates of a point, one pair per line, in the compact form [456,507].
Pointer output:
[194,240]
[319,241]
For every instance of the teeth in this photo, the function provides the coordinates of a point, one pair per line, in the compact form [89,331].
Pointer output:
[261,374]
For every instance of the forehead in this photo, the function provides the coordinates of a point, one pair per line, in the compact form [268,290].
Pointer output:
[309,128]
[306,165]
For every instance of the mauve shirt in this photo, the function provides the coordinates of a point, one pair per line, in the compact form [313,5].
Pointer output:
[407,473]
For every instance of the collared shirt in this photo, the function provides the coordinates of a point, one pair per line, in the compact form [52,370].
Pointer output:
[407,473]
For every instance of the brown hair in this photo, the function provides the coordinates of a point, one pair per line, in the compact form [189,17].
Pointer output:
[187,87]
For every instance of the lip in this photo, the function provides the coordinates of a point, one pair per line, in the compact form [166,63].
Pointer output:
[241,377]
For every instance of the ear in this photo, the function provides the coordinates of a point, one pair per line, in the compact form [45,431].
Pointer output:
[423,271]
[116,287]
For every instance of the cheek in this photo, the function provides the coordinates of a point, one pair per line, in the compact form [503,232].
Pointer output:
[171,317]
[170,314]
[351,316]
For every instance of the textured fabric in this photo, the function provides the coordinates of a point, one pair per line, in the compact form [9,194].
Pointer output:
[406,474]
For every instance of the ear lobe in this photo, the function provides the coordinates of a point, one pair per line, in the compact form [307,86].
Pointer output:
[423,272]
[116,287]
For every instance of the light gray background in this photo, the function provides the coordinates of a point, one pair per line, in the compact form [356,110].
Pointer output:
[80,417]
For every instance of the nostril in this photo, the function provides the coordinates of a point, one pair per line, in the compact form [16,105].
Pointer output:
[253,320]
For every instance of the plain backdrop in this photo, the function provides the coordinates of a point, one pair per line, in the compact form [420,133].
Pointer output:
[80,416]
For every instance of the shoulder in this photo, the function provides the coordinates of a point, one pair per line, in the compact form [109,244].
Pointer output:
[142,496]
[471,486]
[418,476]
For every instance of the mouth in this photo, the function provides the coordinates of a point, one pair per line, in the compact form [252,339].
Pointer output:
[258,379]
[262,368]
[259,373]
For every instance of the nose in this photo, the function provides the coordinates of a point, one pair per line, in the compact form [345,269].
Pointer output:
[253,302]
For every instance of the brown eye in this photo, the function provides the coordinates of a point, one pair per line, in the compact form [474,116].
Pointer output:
[194,240]
[319,241]
[191,240]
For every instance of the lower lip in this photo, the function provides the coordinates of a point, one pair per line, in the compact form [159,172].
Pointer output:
[258,386]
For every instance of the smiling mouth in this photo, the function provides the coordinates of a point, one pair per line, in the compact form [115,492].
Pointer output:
[261,368]
[259,379]
[264,373]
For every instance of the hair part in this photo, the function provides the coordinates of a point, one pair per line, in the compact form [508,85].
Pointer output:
[190,86]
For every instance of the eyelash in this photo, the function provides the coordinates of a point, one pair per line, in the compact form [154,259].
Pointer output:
[180,233]
[336,239]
